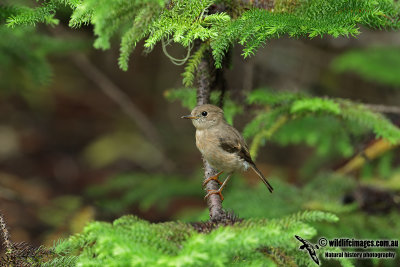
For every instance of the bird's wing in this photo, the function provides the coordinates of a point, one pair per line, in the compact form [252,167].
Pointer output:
[232,141]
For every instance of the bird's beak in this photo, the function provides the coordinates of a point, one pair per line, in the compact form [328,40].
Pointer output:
[188,117]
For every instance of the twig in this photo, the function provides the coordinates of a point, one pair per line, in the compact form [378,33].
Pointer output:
[6,236]
[117,95]
[110,89]
[263,4]
[383,108]
[214,202]
[371,152]
[123,101]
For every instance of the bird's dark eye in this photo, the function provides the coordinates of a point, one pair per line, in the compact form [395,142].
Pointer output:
[204,113]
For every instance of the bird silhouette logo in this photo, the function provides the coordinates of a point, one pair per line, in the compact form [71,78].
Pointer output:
[309,247]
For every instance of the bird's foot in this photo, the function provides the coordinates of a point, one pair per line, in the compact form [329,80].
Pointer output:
[212,192]
[214,177]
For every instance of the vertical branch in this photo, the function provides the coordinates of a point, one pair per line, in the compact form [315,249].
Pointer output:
[204,81]
[248,74]
[204,78]
[6,236]
[220,83]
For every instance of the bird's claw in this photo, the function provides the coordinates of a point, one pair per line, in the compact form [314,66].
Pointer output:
[212,192]
[214,177]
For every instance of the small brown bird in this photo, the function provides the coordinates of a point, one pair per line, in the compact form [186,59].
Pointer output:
[221,145]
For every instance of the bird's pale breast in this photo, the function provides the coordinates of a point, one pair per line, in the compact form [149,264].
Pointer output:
[208,143]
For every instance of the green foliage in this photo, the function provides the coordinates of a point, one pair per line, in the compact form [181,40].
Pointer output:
[31,16]
[119,193]
[24,56]
[117,145]
[292,118]
[134,34]
[329,125]
[375,121]
[309,18]
[354,222]
[260,239]
[193,63]
[36,68]
[60,210]
[130,241]
[332,126]
[324,192]
[24,51]
[384,168]
[373,63]
[271,97]
[187,96]
[325,133]
[61,260]
[183,22]
[314,105]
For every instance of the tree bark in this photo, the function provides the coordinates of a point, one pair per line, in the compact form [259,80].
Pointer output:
[204,80]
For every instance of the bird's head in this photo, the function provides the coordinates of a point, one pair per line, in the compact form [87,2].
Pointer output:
[205,116]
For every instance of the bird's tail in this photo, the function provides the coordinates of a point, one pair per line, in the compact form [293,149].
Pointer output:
[262,177]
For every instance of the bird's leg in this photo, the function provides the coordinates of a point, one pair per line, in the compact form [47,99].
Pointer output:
[215,178]
[211,192]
